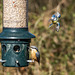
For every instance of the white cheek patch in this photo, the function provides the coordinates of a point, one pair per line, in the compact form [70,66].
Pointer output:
[52,17]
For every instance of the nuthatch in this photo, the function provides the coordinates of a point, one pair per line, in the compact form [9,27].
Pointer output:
[35,53]
[54,20]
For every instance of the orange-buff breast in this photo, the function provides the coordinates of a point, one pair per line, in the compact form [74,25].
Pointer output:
[33,55]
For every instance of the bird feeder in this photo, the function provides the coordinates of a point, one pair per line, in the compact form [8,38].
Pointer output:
[15,37]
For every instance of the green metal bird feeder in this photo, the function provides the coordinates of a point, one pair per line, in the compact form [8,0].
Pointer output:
[15,37]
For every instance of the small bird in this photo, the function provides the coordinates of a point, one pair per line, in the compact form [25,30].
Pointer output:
[54,19]
[35,53]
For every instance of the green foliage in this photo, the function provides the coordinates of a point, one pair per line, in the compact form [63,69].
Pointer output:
[57,47]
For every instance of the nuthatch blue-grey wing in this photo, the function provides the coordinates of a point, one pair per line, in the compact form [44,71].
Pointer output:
[38,57]
[35,53]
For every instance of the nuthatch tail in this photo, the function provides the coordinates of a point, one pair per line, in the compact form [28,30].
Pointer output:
[35,54]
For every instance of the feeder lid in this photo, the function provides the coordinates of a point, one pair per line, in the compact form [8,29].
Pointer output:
[16,33]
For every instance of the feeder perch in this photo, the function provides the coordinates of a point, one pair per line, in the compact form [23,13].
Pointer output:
[15,38]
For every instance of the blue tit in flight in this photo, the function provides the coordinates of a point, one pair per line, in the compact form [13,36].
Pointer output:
[35,55]
[54,20]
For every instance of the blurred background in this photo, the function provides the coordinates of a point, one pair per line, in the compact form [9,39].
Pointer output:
[57,49]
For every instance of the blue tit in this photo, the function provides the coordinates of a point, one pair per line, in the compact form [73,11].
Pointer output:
[54,19]
[35,54]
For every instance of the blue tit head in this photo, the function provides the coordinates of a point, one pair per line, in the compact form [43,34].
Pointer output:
[34,47]
[58,14]
[53,16]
